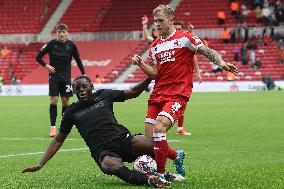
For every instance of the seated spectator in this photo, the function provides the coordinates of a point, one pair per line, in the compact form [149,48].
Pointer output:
[234,7]
[5,51]
[280,43]
[268,81]
[281,55]
[225,35]
[233,35]
[221,17]
[258,16]
[216,68]
[266,40]
[98,79]
[14,80]
[244,54]
[252,58]
[236,53]
[258,63]
[244,13]
[230,76]
[266,15]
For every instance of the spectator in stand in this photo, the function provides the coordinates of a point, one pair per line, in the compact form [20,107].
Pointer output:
[225,35]
[98,79]
[244,54]
[252,58]
[239,33]
[258,63]
[245,13]
[14,79]
[20,53]
[280,43]
[246,28]
[234,7]
[266,40]
[279,13]
[1,83]
[221,17]
[233,35]
[258,16]
[266,15]
[230,76]
[281,55]
[236,53]
[5,52]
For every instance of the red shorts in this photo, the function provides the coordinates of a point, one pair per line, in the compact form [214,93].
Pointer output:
[170,108]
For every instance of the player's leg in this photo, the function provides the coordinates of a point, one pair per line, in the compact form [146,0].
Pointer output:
[53,93]
[142,145]
[112,165]
[165,120]
[66,91]
[180,129]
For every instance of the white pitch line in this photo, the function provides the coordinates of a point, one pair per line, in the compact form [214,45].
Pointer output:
[35,153]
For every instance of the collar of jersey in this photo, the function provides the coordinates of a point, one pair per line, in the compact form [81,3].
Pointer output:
[168,36]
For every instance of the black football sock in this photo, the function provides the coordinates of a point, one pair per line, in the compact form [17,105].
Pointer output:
[53,114]
[63,109]
[132,176]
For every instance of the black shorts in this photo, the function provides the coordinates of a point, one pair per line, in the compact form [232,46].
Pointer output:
[64,88]
[119,147]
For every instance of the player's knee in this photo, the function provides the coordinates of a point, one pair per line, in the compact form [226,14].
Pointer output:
[53,101]
[110,165]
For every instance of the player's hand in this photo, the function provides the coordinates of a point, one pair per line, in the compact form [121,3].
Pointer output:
[32,169]
[199,78]
[136,60]
[144,20]
[229,67]
[50,69]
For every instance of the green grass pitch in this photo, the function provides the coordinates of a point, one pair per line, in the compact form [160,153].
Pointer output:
[237,142]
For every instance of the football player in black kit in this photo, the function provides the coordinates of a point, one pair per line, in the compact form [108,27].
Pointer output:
[110,143]
[61,51]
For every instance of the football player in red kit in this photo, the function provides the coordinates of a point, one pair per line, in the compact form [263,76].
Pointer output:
[172,69]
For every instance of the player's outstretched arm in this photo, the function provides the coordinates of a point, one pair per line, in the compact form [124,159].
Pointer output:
[214,57]
[53,147]
[145,32]
[150,71]
[137,89]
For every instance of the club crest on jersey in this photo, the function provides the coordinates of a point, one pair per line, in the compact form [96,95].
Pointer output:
[167,56]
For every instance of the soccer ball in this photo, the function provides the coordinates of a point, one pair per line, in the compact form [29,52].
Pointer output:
[145,164]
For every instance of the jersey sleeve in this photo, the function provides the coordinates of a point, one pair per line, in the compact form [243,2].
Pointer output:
[76,56]
[66,122]
[116,95]
[44,49]
[193,41]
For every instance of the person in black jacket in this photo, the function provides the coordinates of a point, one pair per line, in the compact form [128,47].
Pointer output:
[61,51]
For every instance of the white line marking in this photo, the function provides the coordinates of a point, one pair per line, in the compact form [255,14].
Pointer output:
[35,153]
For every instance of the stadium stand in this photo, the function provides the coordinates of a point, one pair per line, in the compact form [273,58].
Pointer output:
[203,14]
[27,16]
[85,15]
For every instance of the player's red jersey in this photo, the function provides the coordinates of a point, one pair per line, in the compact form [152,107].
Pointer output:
[174,59]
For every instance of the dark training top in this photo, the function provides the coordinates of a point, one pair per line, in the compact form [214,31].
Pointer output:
[95,119]
[60,56]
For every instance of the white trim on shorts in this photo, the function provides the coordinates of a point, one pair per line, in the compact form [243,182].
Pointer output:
[166,114]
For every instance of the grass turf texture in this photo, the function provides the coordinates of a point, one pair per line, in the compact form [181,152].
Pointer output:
[237,142]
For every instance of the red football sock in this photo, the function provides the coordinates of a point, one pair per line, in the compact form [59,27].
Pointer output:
[180,121]
[161,148]
[172,154]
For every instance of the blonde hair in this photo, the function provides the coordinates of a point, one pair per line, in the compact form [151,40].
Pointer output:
[166,9]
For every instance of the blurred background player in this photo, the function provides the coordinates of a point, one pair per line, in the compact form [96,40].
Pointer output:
[61,51]
[110,143]
[172,69]
[178,25]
